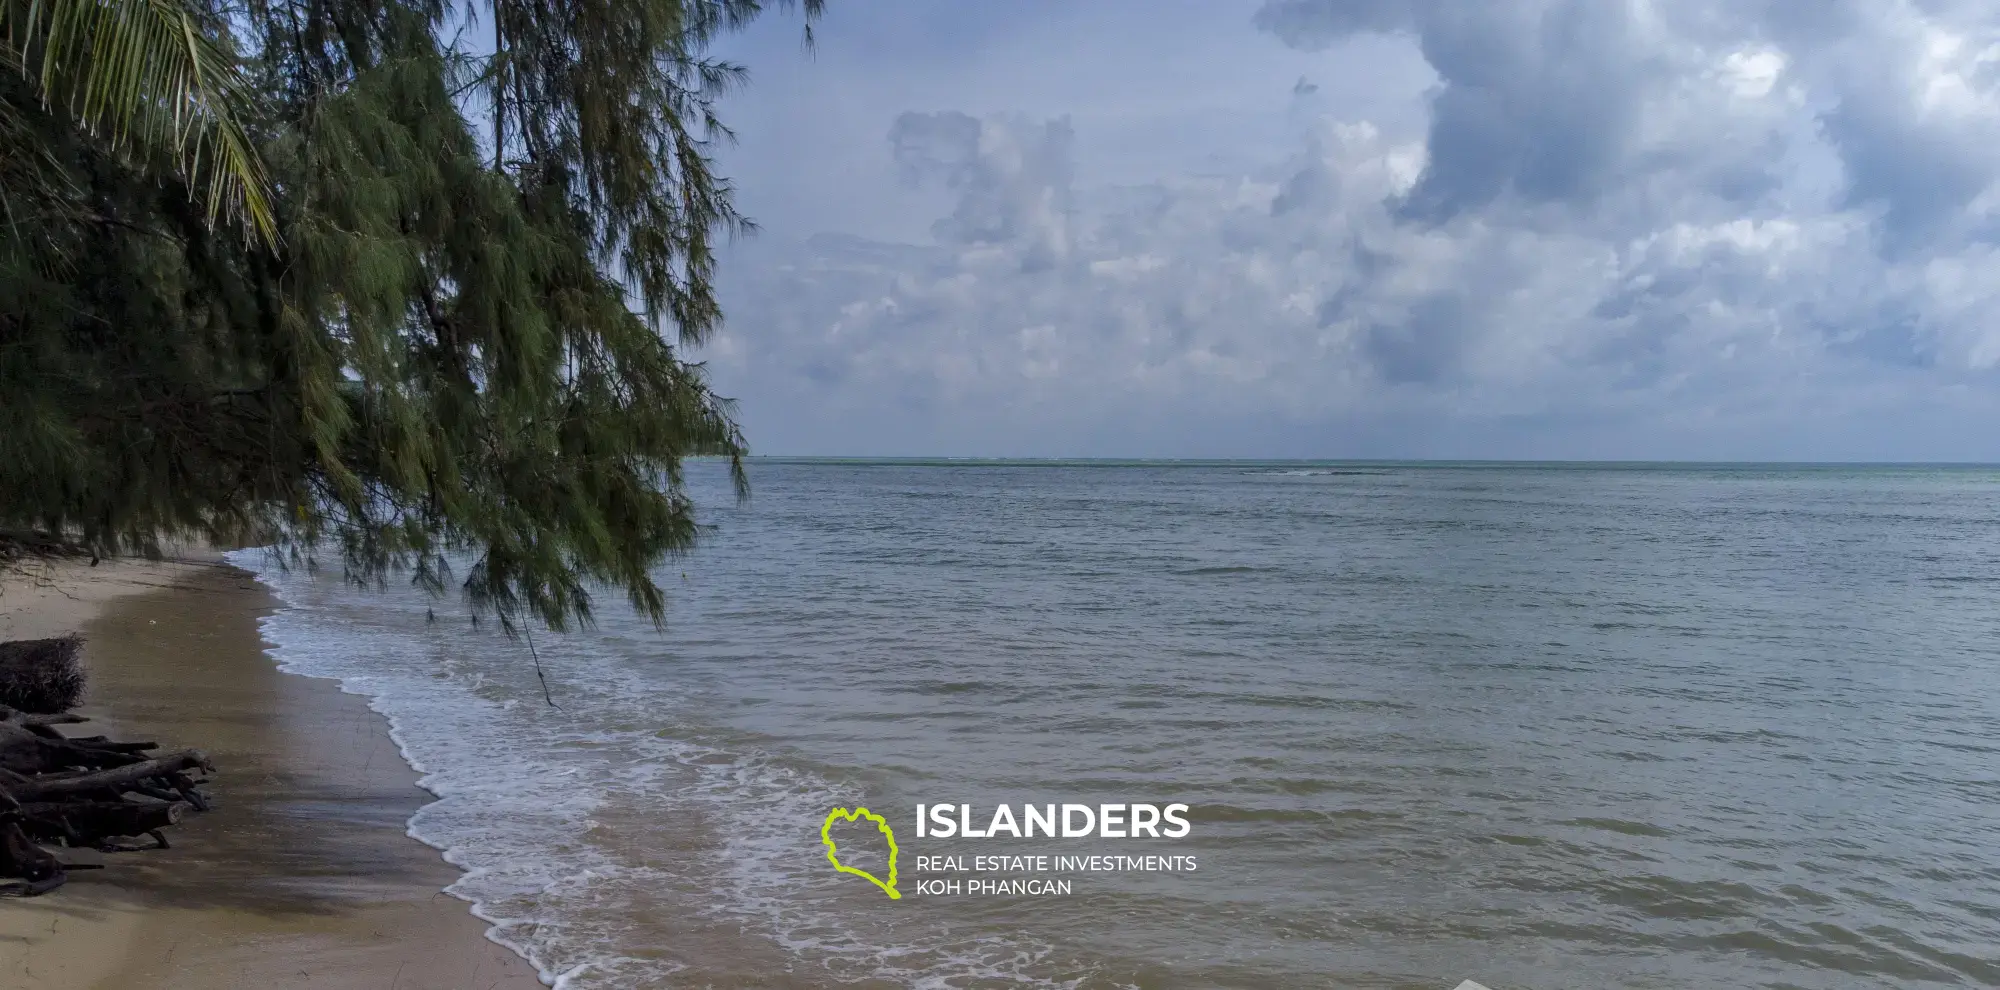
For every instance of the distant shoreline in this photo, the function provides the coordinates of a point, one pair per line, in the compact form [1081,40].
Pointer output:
[1361,462]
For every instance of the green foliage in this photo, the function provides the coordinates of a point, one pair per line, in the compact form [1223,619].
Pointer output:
[458,345]
[145,72]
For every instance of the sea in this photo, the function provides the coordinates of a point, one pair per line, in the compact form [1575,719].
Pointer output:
[1542,726]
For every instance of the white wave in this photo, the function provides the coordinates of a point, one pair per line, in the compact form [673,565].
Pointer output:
[522,788]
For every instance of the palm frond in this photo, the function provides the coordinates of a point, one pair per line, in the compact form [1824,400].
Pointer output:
[146,73]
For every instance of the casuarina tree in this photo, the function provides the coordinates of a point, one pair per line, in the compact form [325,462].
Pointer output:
[408,279]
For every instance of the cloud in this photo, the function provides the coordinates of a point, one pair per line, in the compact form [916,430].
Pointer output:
[1637,229]
[1568,100]
[1012,178]
[1536,101]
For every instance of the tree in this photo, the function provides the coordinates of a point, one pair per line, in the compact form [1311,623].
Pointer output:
[450,342]
[141,73]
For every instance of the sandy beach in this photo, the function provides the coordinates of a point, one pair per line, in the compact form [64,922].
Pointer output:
[301,876]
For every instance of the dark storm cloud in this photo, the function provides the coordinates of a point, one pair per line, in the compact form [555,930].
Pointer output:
[1425,346]
[1542,99]
[1537,100]
[1922,165]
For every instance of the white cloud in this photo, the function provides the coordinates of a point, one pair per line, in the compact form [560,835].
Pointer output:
[1689,230]
[1752,72]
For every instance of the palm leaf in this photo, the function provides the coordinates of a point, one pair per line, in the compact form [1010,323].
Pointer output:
[145,73]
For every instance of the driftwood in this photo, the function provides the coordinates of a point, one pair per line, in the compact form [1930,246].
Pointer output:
[26,752]
[118,781]
[88,791]
[100,823]
[40,871]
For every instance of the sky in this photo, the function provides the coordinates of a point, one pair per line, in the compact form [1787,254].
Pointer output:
[1561,229]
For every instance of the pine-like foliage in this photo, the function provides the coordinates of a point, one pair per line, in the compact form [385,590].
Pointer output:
[460,341]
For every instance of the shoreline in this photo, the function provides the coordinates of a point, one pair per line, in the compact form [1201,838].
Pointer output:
[303,874]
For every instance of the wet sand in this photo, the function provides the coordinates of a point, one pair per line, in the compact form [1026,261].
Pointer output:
[302,875]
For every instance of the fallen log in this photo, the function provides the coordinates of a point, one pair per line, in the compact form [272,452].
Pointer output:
[101,742]
[27,752]
[41,725]
[16,716]
[26,788]
[88,791]
[95,823]
[185,786]
[20,857]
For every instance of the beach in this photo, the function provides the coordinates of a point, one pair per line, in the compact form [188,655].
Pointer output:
[302,874]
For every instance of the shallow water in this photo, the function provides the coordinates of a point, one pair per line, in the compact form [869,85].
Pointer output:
[1547,727]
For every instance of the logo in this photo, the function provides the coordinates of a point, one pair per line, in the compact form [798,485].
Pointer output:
[833,854]
[1012,871]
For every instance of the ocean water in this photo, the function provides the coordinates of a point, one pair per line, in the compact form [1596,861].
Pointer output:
[1559,726]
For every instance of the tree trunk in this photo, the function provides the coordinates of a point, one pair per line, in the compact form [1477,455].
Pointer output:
[55,785]
[20,857]
[94,823]
[24,751]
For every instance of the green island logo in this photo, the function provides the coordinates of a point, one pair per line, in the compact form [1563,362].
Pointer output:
[832,855]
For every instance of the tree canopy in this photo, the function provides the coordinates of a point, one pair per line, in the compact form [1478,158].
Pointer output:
[400,277]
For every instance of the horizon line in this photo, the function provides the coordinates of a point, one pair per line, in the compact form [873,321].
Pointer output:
[1379,461]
